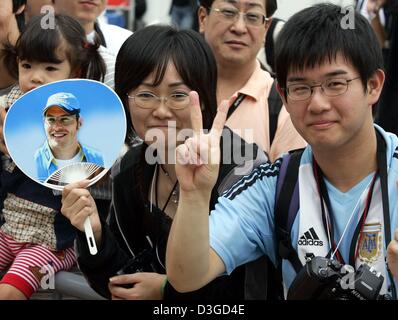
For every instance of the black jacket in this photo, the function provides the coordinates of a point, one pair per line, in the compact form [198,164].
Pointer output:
[131,222]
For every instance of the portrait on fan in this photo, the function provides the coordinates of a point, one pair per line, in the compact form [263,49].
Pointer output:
[66,131]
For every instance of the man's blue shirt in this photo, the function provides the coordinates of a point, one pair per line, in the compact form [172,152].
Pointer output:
[242,223]
[45,161]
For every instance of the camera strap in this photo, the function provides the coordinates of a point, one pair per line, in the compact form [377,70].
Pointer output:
[172,192]
[382,167]
[328,217]
[357,237]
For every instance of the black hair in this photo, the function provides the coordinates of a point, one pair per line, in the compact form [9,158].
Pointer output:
[318,34]
[270,6]
[16,4]
[38,44]
[151,49]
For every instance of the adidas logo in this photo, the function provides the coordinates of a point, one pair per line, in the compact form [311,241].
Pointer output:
[310,238]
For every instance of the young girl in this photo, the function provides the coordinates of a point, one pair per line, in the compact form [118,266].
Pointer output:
[42,56]
[35,239]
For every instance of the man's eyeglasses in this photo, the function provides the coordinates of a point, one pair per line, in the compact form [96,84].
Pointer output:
[254,19]
[331,87]
[148,100]
[62,120]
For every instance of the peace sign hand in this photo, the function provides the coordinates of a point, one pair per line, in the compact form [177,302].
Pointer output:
[198,158]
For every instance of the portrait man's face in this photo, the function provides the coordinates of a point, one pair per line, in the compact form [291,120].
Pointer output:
[61,129]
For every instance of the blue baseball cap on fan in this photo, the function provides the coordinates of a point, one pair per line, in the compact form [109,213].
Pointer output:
[64,100]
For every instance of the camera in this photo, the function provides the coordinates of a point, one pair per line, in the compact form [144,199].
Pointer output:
[325,279]
[142,262]
[145,261]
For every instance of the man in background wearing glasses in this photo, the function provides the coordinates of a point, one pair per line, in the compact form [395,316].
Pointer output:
[235,31]
[62,122]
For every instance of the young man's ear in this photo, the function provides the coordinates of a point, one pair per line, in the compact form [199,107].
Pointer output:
[375,86]
[79,122]
[202,16]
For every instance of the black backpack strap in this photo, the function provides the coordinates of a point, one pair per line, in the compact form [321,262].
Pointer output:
[274,107]
[236,104]
[286,207]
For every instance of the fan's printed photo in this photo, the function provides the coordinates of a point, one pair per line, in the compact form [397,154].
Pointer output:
[66,131]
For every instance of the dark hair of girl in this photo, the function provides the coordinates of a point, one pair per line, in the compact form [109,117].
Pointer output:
[41,43]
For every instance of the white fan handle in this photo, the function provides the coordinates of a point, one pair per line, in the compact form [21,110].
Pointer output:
[90,236]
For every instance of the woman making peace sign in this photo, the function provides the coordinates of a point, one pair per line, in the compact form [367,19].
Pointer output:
[160,75]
